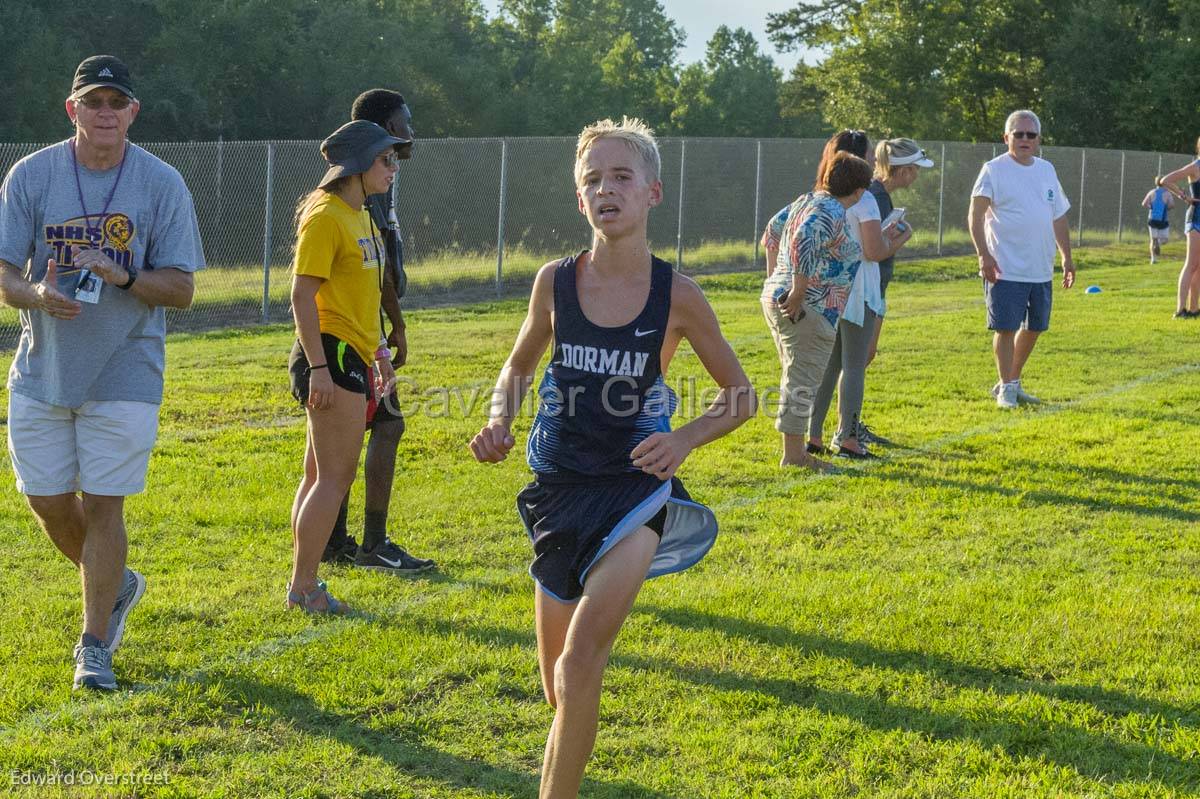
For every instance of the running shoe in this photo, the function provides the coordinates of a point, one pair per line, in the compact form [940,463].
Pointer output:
[93,668]
[1006,396]
[387,557]
[1025,398]
[132,588]
[342,553]
[866,435]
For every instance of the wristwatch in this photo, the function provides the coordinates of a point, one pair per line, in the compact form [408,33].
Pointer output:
[133,273]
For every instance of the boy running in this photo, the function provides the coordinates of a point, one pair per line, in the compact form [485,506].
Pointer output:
[605,511]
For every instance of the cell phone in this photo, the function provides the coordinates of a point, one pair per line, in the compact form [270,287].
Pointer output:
[894,218]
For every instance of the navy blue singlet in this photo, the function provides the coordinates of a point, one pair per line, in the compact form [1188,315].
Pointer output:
[603,392]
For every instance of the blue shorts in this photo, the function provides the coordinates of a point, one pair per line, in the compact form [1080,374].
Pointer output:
[573,524]
[1013,305]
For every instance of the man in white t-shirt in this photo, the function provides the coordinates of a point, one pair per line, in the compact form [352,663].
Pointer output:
[1018,215]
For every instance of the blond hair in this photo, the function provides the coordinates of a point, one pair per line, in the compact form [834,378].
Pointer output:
[636,135]
[887,149]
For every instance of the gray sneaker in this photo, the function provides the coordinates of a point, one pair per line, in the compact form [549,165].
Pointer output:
[1025,398]
[93,668]
[1006,396]
[132,588]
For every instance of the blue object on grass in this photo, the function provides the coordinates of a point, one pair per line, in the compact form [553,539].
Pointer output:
[1092,290]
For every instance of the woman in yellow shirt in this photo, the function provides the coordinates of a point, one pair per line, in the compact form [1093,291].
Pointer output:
[335,302]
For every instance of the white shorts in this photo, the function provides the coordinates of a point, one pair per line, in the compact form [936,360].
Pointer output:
[100,448]
[1159,233]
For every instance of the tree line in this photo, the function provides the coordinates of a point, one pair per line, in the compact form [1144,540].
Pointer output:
[1099,73]
[1103,73]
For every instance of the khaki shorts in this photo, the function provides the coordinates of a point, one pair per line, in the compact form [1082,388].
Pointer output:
[803,347]
[100,448]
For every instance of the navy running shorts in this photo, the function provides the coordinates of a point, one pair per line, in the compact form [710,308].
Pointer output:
[572,524]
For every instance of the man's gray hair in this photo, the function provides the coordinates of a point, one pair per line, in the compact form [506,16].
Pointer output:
[1024,113]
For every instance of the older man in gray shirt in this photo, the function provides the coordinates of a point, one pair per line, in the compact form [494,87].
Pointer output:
[97,236]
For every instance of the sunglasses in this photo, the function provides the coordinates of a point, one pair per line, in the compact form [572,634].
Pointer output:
[1023,134]
[390,159]
[118,103]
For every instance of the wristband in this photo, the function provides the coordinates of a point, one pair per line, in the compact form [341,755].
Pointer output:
[319,366]
[128,284]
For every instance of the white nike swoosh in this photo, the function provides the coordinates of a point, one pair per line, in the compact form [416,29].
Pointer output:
[640,333]
[393,563]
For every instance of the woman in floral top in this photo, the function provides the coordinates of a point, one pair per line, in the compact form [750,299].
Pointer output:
[807,291]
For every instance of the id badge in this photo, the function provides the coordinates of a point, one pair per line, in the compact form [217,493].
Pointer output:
[88,288]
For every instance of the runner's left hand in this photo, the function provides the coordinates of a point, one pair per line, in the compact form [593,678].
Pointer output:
[660,455]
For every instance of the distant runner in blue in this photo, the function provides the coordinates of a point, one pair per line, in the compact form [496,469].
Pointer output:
[1160,202]
[605,510]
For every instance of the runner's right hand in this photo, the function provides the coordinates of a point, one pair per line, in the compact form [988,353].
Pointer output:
[492,443]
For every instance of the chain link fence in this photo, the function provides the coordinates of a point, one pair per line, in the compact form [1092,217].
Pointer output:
[479,216]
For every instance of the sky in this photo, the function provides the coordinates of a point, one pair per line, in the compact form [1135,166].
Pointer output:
[700,19]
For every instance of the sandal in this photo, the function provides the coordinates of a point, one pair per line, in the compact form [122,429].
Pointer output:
[306,601]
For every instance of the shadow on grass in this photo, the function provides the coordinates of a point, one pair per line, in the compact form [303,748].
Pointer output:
[1087,752]
[406,755]
[916,473]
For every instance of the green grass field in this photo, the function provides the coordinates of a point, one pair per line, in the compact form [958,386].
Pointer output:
[1006,606]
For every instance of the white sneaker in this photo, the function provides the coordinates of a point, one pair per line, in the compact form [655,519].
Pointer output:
[1006,396]
[1025,398]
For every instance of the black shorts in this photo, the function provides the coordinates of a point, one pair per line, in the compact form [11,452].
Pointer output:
[573,524]
[886,270]
[346,367]
[385,411]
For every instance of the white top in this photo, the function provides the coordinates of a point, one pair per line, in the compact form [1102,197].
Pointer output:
[1019,225]
[865,289]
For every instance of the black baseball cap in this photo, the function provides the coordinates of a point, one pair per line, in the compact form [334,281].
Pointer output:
[101,71]
[352,149]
